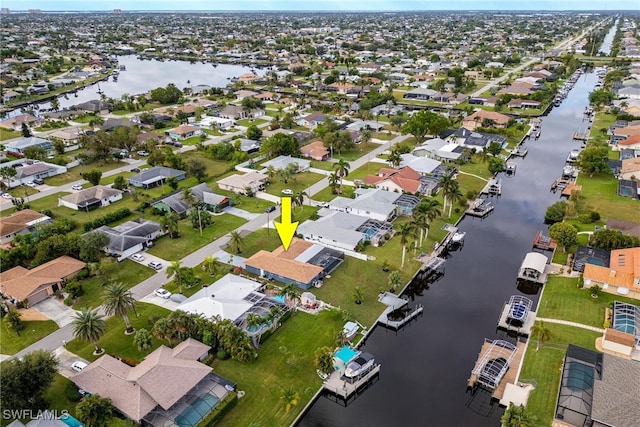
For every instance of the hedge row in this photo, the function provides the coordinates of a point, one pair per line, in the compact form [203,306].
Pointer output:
[107,219]
[224,406]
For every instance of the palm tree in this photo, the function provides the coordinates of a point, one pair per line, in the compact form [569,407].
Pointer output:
[253,323]
[298,198]
[163,329]
[55,104]
[406,231]
[540,332]
[342,170]
[14,318]
[324,359]
[236,240]
[143,339]
[358,295]
[394,158]
[211,264]
[429,210]
[289,398]
[446,182]
[271,172]
[188,197]
[169,223]
[517,416]
[365,136]
[334,179]
[89,325]
[175,270]
[455,195]
[290,291]
[119,300]
[395,280]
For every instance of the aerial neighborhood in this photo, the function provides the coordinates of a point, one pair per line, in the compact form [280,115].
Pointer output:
[151,161]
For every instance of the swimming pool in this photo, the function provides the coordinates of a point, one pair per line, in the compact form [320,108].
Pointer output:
[279,298]
[197,411]
[346,354]
[70,421]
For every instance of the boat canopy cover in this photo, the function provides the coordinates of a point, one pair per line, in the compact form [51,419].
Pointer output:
[535,261]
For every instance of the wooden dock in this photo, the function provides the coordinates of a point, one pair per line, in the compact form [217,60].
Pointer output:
[581,136]
[544,242]
[514,367]
[524,330]
[337,385]
[490,351]
[492,188]
[480,208]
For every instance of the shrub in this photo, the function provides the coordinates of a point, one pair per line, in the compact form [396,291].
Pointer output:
[74,289]
[224,406]
[68,301]
[48,213]
[107,219]
[71,391]
[222,354]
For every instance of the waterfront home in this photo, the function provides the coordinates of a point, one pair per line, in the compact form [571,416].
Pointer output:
[155,176]
[20,284]
[517,88]
[28,170]
[474,140]
[243,93]
[94,106]
[626,227]
[404,180]
[622,276]
[523,103]
[18,145]
[168,387]
[423,165]
[243,184]
[588,255]
[316,151]
[282,162]
[439,149]
[630,169]
[16,122]
[631,143]
[91,198]
[21,222]
[344,231]
[183,132]
[624,333]
[598,389]
[376,203]
[482,117]
[303,264]
[130,237]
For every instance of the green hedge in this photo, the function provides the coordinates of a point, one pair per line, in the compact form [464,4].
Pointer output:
[107,219]
[224,406]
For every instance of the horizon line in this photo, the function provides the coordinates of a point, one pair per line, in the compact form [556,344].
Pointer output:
[319,10]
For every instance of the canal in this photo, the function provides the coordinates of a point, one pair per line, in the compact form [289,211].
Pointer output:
[607,43]
[425,367]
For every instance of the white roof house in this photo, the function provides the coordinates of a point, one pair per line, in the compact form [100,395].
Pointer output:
[240,183]
[336,230]
[422,165]
[437,149]
[372,203]
[229,298]
[281,162]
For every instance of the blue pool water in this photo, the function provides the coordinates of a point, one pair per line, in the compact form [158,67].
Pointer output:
[595,261]
[346,354]
[279,298]
[197,411]
[70,421]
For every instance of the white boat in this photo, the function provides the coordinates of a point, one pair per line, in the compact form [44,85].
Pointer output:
[360,365]
[458,237]
[350,330]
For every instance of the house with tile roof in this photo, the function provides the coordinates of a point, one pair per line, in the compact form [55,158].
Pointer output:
[91,198]
[21,222]
[16,122]
[130,237]
[155,176]
[303,264]
[19,283]
[183,132]
[167,384]
[621,277]
[404,180]
[316,151]
[475,120]
[241,184]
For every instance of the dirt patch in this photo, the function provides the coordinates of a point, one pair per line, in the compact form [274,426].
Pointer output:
[31,314]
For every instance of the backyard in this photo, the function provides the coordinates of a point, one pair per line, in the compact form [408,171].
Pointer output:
[297,182]
[32,331]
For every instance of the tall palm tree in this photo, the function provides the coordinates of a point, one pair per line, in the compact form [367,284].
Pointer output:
[236,240]
[188,197]
[407,231]
[394,158]
[430,210]
[342,170]
[169,223]
[298,198]
[334,180]
[89,325]
[290,291]
[540,332]
[175,270]
[446,182]
[211,264]
[119,300]
[455,195]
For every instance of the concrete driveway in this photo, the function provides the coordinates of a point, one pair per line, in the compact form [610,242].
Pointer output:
[148,258]
[66,359]
[55,310]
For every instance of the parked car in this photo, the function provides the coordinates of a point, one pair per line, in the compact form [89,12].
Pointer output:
[78,365]
[287,192]
[30,184]
[136,170]
[38,181]
[7,196]
[76,187]
[162,293]
[155,265]
[137,257]
[270,209]
[143,153]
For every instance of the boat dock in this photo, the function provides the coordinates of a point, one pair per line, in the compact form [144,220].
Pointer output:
[581,136]
[510,168]
[568,190]
[517,316]
[544,243]
[338,386]
[520,152]
[534,268]
[397,305]
[480,208]
[493,187]
[496,366]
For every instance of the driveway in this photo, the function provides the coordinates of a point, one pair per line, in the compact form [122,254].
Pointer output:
[148,258]
[55,310]
[241,213]
[66,359]
[162,302]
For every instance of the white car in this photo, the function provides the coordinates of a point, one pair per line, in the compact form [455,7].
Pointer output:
[30,184]
[143,153]
[287,192]
[78,366]
[155,265]
[76,187]
[137,257]
[7,196]
[162,293]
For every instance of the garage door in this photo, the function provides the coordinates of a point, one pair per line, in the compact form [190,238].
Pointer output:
[38,296]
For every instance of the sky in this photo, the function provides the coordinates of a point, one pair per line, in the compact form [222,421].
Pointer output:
[323,5]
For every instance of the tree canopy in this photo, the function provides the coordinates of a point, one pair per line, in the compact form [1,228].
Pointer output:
[280,144]
[27,379]
[425,122]
[166,95]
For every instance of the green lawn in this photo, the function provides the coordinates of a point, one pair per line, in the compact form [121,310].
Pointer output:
[602,121]
[250,204]
[249,122]
[600,192]
[385,136]
[56,396]
[33,330]
[324,165]
[326,195]
[191,240]
[300,215]
[8,134]
[115,342]
[214,167]
[23,191]
[544,367]
[370,168]
[297,182]
[260,239]
[564,300]
[285,359]
[357,152]
[74,174]
[128,272]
